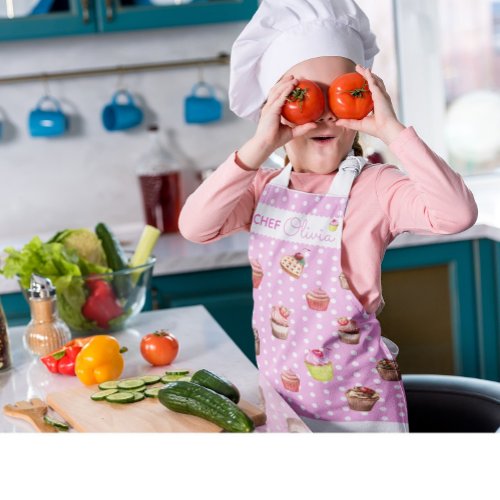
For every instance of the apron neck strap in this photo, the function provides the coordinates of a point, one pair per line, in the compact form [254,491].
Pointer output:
[348,170]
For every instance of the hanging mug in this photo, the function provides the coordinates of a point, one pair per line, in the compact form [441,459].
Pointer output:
[45,122]
[121,115]
[202,109]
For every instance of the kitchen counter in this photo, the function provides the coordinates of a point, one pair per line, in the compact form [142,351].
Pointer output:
[175,255]
[203,344]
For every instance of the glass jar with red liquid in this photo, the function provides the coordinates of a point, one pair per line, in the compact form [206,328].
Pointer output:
[160,182]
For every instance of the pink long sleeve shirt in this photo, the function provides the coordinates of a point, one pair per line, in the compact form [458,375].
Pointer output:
[430,198]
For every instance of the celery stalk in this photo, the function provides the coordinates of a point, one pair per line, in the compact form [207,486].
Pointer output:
[144,248]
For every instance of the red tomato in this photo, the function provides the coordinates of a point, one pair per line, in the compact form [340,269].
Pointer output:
[159,348]
[349,97]
[304,104]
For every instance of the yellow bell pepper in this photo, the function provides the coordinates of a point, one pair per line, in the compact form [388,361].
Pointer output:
[100,360]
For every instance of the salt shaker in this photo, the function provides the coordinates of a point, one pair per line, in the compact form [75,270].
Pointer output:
[46,332]
[5,360]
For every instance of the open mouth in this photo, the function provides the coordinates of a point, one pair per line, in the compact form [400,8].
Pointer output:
[323,139]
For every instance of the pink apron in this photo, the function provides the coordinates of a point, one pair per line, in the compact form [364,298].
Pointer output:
[314,341]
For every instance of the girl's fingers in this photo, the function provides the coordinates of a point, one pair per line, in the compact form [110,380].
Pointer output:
[283,87]
[299,130]
[350,124]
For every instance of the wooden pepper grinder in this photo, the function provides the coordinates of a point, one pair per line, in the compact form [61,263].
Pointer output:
[46,332]
[5,360]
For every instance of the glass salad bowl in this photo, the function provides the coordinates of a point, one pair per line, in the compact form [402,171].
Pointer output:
[103,303]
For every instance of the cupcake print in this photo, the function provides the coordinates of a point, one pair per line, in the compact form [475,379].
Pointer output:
[257,273]
[279,322]
[257,341]
[318,299]
[348,331]
[388,369]
[290,381]
[293,264]
[318,365]
[334,224]
[361,398]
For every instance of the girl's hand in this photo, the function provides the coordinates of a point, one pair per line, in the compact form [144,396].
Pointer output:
[382,123]
[272,129]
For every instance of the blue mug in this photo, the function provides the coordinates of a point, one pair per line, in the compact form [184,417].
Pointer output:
[121,116]
[202,109]
[47,122]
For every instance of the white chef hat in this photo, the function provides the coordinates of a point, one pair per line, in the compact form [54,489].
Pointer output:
[283,33]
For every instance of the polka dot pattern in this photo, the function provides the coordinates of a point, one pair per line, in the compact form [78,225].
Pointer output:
[304,354]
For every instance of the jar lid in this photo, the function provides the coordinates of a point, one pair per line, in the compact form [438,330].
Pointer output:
[40,287]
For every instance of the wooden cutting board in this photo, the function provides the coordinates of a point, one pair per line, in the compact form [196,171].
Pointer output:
[148,415]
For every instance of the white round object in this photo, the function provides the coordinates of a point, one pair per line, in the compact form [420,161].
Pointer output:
[472,126]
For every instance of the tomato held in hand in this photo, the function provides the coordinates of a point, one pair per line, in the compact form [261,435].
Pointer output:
[304,104]
[159,348]
[349,97]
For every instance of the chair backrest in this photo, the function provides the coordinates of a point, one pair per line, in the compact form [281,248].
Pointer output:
[445,403]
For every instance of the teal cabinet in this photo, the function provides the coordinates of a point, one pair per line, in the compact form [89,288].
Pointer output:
[76,17]
[126,15]
[68,17]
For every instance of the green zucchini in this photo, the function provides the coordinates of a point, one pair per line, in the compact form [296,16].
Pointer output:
[217,383]
[153,392]
[116,258]
[138,396]
[194,399]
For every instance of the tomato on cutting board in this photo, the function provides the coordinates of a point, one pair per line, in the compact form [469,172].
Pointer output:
[349,97]
[159,348]
[304,104]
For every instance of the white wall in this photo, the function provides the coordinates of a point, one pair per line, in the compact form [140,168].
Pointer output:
[88,176]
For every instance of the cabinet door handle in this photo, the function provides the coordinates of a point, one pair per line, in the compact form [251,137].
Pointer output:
[109,10]
[85,10]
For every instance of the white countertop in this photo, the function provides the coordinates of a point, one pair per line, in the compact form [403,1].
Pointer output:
[203,344]
[176,255]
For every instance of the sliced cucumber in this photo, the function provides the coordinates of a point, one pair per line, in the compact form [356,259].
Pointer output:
[101,395]
[62,426]
[150,379]
[153,392]
[138,396]
[121,397]
[174,376]
[131,384]
[111,384]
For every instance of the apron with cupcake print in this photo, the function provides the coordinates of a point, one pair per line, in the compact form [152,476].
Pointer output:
[314,341]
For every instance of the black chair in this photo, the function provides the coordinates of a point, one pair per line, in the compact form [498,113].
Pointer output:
[445,403]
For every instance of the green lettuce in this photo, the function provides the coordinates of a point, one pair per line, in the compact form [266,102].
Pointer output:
[63,266]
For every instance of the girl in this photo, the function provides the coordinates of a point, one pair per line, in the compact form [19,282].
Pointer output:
[320,226]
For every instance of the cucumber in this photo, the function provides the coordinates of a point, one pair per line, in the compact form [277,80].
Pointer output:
[101,395]
[116,258]
[194,399]
[111,384]
[216,383]
[61,426]
[173,376]
[138,396]
[150,379]
[132,384]
[121,397]
[153,392]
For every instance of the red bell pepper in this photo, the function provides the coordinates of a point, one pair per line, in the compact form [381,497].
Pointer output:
[101,305]
[62,361]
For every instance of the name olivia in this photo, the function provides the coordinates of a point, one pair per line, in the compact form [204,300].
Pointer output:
[294,226]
